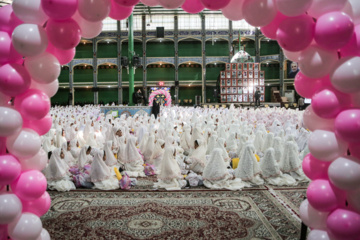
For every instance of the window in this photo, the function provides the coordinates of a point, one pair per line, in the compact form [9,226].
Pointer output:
[216,22]
[189,21]
[153,21]
[109,24]
[243,25]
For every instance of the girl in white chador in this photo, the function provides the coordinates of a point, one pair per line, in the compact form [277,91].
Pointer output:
[133,162]
[75,150]
[57,172]
[48,144]
[84,157]
[258,141]
[270,170]
[217,176]
[197,158]
[290,162]
[248,168]
[221,144]
[149,148]
[100,173]
[110,158]
[211,144]
[268,142]
[66,148]
[170,176]
[279,148]
[185,139]
[157,154]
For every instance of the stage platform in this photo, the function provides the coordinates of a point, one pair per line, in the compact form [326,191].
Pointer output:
[117,111]
[244,105]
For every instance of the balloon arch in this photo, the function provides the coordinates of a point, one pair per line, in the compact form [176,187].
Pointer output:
[38,36]
[161,96]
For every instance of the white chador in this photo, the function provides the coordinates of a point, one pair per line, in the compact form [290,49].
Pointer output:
[248,169]
[270,170]
[197,158]
[75,150]
[84,157]
[110,158]
[57,173]
[290,162]
[216,175]
[101,175]
[170,176]
[157,154]
[133,161]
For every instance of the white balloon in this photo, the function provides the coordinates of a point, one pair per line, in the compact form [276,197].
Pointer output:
[293,8]
[94,10]
[344,173]
[150,3]
[293,56]
[10,121]
[49,89]
[314,122]
[27,227]
[44,68]
[320,7]
[10,208]
[25,144]
[346,74]
[352,8]
[229,12]
[44,235]
[88,29]
[316,62]
[37,162]
[312,217]
[29,11]
[318,235]
[324,145]
[29,39]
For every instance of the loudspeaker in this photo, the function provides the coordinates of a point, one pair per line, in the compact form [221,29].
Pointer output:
[136,61]
[160,32]
[124,61]
[176,83]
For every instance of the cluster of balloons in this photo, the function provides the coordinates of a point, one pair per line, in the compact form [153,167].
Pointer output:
[38,36]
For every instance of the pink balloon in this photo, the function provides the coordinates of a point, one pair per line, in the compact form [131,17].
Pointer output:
[150,3]
[270,29]
[306,86]
[311,217]
[38,206]
[344,224]
[316,62]
[64,34]
[94,11]
[344,173]
[88,29]
[293,8]
[59,9]
[49,89]
[353,198]
[33,104]
[194,6]
[323,196]
[41,126]
[347,125]
[172,4]
[8,20]
[2,145]
[30,185]
[252,9]
[10,169]
[333,30]
[3,232]
[351,49]
[64,56]
[119,12]
[37,162]
[314,168]
[296,33]
[10,121]
[14,79]
[320,7]
[327,103]
[215,5]
[314,122]
[127,3]
[4,100]
[354,149]
[293,56]
[325,146]
[8,54]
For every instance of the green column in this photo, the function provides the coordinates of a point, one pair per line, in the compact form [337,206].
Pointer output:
[131,66]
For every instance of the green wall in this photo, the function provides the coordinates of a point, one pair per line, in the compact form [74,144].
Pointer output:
[213,72]
[190,72]
[107,50]
[84,96]
[61,97]
[64,75]
[108,95]
[157,49]
[249,47]
[84,51]
[189,93]
[138,77]
[220,48]
[107,75]
[137,48]
[272,71]
[209,94]
[161,74]
[269,48]
[189,49]
[83,75]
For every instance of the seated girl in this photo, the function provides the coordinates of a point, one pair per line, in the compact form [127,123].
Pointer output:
[100,173]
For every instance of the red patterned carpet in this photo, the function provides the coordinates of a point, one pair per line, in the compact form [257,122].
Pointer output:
[263,213]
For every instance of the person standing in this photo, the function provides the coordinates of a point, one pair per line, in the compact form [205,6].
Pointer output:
[138,97]
[155,108]
[257,97]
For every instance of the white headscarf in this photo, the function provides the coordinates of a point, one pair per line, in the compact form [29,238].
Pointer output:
[248,167]
[290,161]
[220,144]
[56,169]
[149,148]
[131,152]
[83,157]
[231,144]
[279,148]
[268,143]
[212,144]
[216,168]
[268,165]
[99,171]
[169,167]
[198,155]
[110,158]
[158,151]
